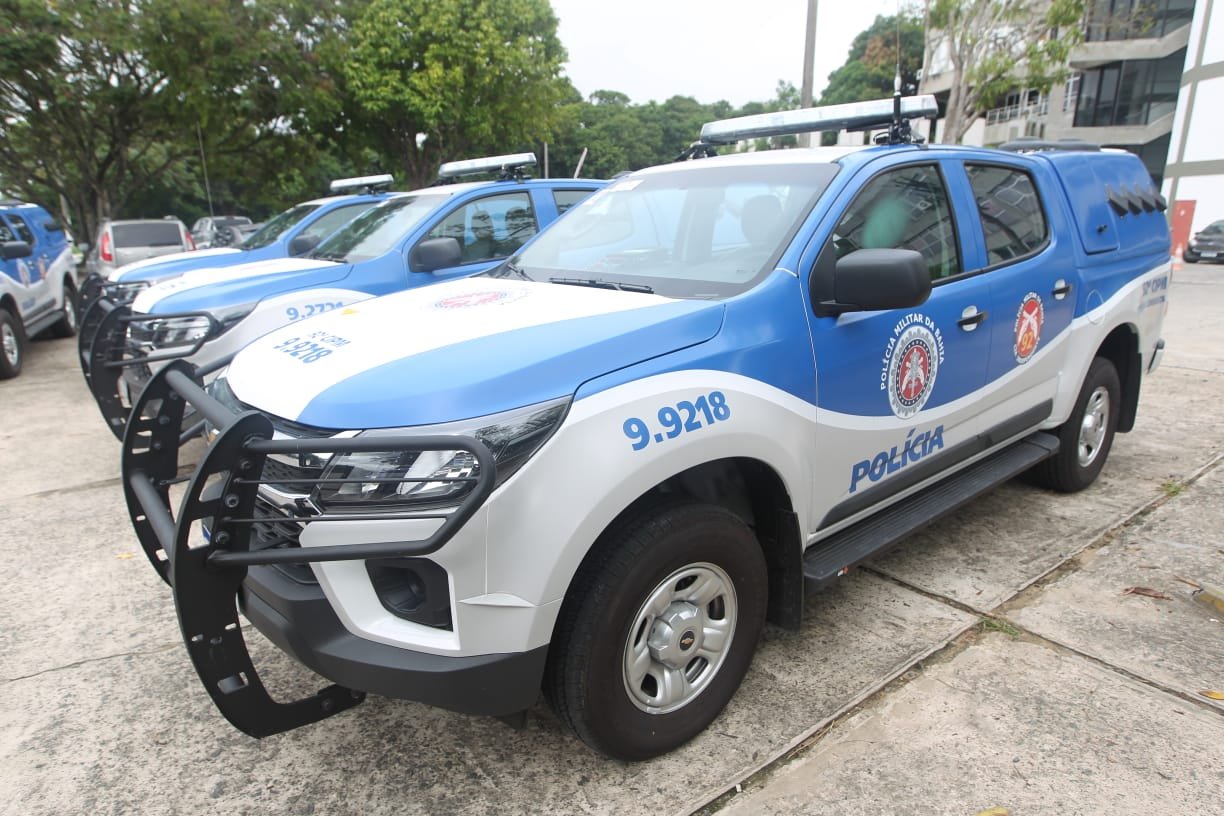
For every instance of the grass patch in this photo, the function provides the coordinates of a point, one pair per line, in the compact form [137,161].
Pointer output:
[1173,488]
[999,625]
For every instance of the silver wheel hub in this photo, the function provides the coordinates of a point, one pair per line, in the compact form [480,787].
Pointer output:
[8,338]
[1092,427]
[680,638]
[70,315]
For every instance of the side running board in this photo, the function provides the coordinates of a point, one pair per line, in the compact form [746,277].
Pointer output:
[828,560]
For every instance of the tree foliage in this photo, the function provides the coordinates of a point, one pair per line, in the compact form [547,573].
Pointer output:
[102,100]
[994,45]
[873,61]
[469,76]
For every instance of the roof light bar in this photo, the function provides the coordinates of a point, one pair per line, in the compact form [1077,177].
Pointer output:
[368,182]
[470,167]
[851,116]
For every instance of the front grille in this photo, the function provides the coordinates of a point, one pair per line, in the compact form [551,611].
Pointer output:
[278,530]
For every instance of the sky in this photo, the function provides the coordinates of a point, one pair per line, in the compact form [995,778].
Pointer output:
[735,50]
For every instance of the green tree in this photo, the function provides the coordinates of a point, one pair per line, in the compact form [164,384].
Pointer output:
[872,64]
[450,79]
[101,100]
[991,46]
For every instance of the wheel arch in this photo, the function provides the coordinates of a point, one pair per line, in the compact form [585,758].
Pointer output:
[1121,347]
[756,493]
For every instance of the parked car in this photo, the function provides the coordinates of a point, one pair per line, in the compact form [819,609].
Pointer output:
[214,230]
[597,469]
[37,281]
[1206,245]
[409,240]
[119,243]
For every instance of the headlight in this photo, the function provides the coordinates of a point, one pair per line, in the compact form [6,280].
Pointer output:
[435,477]
[185,329]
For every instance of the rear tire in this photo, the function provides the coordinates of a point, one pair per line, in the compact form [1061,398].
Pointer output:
[67,325]
[658,629]
[12,345]
[1086,437]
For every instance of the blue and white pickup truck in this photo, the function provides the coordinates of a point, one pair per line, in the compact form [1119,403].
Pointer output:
[410,240]
[37,281]
[597,469]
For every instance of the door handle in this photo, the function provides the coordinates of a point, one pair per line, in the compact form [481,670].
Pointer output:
[1061,289]
[970,318]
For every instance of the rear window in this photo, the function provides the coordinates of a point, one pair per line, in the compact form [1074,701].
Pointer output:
[1013,223]
[157,233]
[236,221]
[23,229]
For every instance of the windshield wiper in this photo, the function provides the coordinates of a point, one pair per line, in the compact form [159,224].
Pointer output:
[509,269]
[326,257]
[605,284]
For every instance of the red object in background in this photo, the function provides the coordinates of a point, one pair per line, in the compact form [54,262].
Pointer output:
[1183,217]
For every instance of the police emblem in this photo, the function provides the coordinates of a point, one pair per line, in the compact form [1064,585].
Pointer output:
[1029,320]
[912,367]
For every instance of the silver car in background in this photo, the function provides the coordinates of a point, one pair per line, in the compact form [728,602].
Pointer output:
[123,242]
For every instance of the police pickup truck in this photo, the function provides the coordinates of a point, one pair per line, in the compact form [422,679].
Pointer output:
[37,281]
[410,240]
[597,469]
[292,233]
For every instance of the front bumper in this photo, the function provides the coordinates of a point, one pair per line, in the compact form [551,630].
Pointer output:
[115,368]
[209,580]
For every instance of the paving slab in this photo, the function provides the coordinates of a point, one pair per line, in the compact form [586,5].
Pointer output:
[1013,725]
[1172,640]
[59,441]
[77,585]
[136,732]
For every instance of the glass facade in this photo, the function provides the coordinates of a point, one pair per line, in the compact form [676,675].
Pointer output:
[1136,19]
[1136,92]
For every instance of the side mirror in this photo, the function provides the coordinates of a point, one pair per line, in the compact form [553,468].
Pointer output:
[435,253]
[869,280]
[303,244]
[15,249]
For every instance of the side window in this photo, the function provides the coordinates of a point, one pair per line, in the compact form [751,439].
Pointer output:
[488,228]
[24,232]
[1013,223]
[905,208]
[6,234]
[334,220]
[565,199]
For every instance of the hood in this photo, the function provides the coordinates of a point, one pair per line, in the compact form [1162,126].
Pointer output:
[167,265]
[458,350]
[202,289]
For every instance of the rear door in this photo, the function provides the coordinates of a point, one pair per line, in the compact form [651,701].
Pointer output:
[1031,271]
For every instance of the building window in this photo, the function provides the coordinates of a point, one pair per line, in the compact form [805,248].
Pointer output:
[1136,19]
[1137,92]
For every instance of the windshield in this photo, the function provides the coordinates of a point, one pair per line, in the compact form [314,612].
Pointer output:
[697,231]
[276,227]
[375,231]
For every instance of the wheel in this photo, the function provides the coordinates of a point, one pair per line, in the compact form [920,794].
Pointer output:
[1085,438]
[12,345]
[66,326]
[658,629]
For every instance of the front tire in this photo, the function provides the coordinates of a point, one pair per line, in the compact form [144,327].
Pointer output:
[1086,437]
[12,345]
[658,629]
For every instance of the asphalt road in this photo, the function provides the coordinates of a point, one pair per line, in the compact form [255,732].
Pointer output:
[995,661]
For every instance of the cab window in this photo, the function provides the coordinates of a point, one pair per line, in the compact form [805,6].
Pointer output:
[1013,223]
[906,208]
[488,228]
[6,234]
[564,199]
[24,232]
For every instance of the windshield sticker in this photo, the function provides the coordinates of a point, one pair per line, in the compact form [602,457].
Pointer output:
[1029,320]
[915,447]
[473,299]
[685,416]
[911,361]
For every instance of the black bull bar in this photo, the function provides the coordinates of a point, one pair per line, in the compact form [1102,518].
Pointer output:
[104,353]
[206,577]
